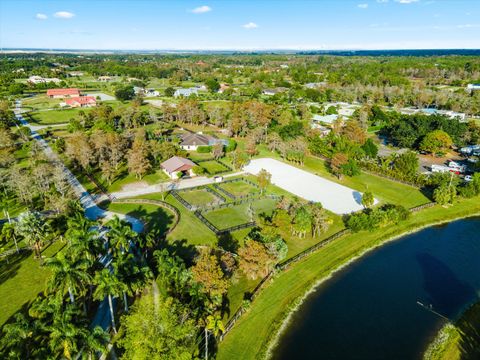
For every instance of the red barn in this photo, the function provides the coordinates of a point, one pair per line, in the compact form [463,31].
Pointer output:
[62,93]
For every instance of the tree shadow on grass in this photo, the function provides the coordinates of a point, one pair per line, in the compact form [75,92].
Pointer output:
[228,243]
[10,269]
[469,327]
[183,249]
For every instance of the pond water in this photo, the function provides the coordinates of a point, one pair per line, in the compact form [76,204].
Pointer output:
[370,309]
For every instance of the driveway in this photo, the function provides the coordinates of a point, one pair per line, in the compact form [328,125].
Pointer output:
[334,197]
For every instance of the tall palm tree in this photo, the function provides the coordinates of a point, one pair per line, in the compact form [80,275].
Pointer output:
[8,234]
[213,324]
[33,228]
[19,337]
[120,234]
[96,341]
[68,275]
[66,334]
[108,285]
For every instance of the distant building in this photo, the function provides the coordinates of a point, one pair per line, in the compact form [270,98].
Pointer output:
[223,87]
[326,119]
[145,92]
[35,79]
[104,78]
[472,87]
[191,141]
[81,101]
[271,92]
[315,85]
[284,66]
[176,165]
[448,113]
[324,131]
[75,73]
[185,92]
[62,93]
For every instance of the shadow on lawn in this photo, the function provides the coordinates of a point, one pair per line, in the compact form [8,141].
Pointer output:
[469,326]
[9,269]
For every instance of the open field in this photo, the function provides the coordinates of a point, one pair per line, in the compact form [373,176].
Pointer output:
[239,214]
[251,335]
[41,102]
[50,117]
[239,188]
[21,280]
[213,167]
[198,197]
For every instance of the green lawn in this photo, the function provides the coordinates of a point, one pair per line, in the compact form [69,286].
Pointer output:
[239,188]
[198,197]
[238,214]
[51,117]
[22,280]
[213,167]
[124,178]
[157,218]
[251,334]
[40,102]
[458,341]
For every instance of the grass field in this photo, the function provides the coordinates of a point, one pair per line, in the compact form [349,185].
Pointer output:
[124,178]
[21,280]
[41,102]
[51,117]
[198,197]
[238,214]
[252,333]
[213,167]
[239,188]
[458,341]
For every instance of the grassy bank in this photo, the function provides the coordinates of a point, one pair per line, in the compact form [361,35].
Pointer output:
[251,336]
[459,341]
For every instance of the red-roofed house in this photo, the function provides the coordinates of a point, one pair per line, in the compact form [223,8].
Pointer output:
[176,165]
[81,101]
[62,93]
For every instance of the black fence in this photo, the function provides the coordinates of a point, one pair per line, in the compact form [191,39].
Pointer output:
[232,196]
[227,167]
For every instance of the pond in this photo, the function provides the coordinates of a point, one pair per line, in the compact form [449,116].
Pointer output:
[371,309]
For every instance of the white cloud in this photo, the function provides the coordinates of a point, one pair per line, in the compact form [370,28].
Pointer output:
[40,16]
[468,26]
[382,1]
[64,15]
[362,6]
[250,25]
[407,1]
[201,9]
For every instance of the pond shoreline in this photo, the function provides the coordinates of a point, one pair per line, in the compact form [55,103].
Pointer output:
[286,320]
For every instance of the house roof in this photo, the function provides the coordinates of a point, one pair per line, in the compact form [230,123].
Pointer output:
[82,100]
[72,91]
[177,163]
[325,118]
[196,139]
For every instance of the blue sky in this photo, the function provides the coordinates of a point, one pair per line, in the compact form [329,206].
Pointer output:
[232,24]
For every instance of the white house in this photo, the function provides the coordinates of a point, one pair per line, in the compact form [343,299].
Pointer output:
[326,119]
[185,92]
[175,165]
[35,79]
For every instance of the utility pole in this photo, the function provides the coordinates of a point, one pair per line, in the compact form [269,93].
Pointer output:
[206,343]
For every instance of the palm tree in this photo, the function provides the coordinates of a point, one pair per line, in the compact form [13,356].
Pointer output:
[95,341]
[120,234]
[108,285]
[8,234]
[34,230]
[18,338]
[67,335]
[68,275]
[213,324]
[83,237]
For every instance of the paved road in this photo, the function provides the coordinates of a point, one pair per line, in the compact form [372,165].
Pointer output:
[182,184]
[92,211]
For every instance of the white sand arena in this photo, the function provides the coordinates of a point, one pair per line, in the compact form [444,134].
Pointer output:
[334,197]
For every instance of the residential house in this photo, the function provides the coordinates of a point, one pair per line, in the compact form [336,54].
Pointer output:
[271,92]
[472,87]
[324,131]
[104,78]
[223,87]
[62,93]
[326,119]
[75,73]
[145,92]
[175,165]
[81,101]
[185,92]
[191,141]
[35,79]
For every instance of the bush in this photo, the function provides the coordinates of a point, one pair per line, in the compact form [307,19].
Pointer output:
[231,146]
[198,170]
[204,149]
[371,219]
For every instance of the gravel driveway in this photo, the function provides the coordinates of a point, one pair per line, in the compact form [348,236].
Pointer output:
[334,197]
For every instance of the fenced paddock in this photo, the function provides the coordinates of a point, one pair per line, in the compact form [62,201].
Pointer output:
[214,167]
[238,188]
